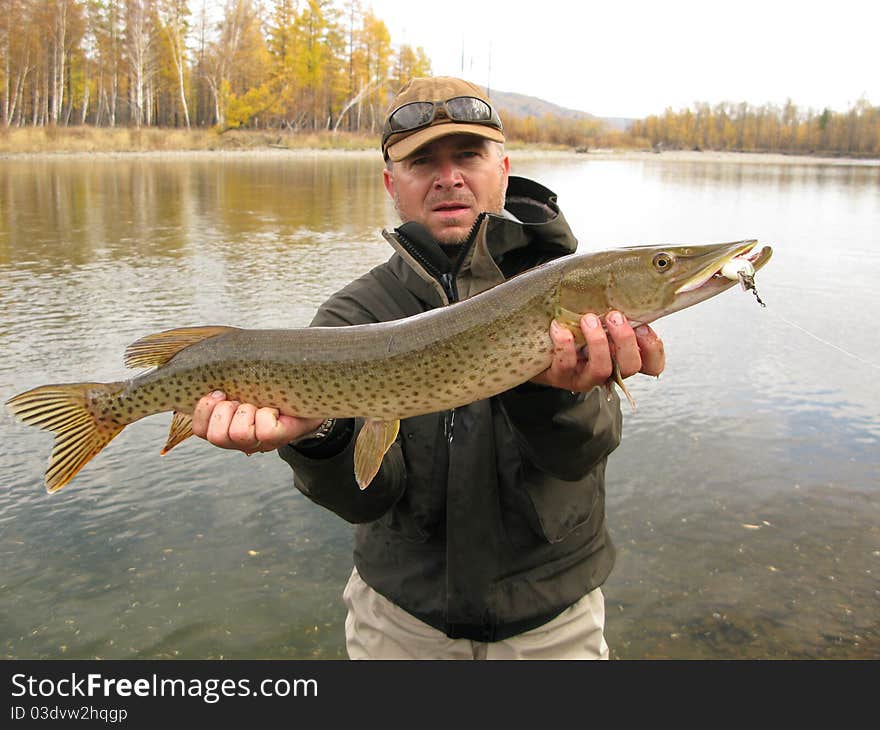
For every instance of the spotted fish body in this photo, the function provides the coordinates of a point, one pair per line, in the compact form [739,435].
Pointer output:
[382,372]
[387,370]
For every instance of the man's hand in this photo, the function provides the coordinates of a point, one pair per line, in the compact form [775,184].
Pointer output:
[244,427]
[581,369]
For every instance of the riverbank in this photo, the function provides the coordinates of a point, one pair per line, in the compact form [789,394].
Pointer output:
[750,158]
[117,140]
[31,142]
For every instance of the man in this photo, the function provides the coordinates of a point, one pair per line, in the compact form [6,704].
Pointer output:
[483,534]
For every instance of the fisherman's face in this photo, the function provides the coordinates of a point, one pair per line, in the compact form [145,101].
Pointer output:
[447,183]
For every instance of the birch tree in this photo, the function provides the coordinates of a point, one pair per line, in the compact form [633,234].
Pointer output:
[15,51]
[238,56]
[174,22]
[138,45]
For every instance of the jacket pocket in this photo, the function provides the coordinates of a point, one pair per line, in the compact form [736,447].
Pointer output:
[541,507]
[552,464]
[561,507]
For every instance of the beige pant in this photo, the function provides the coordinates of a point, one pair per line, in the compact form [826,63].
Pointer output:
[375,628]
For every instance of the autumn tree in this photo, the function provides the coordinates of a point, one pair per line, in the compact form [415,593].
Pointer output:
[139,39]
[237,66]
[64,19]
[410,63]
[104,37]
[766,128]
[310,63]
[282,43]
[173,23]
[19,49]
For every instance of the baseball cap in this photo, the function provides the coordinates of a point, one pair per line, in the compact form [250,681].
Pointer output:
[428,108]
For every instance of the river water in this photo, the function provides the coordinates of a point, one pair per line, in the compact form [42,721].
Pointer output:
[744,499]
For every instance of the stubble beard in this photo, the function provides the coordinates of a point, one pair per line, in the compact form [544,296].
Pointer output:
[449,237]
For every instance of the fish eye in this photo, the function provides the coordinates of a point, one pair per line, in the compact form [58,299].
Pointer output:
[662,262]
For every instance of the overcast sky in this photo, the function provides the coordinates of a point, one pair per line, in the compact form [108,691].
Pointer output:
[633,58]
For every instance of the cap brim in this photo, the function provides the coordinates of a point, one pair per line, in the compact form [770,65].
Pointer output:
[405,147]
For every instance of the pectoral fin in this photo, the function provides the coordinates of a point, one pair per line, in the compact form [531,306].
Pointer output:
[570,321]
[181,429]
[373,441]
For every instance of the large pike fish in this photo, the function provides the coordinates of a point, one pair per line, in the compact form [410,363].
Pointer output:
[382,372]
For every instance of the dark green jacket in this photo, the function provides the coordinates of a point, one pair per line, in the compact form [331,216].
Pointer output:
[488,520]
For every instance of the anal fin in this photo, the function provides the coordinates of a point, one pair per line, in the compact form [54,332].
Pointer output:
[373,441]
[181,429]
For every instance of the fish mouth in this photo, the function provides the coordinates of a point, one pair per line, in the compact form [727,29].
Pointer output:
[710,276]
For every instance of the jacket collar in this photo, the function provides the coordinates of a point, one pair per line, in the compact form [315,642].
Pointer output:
[532,230]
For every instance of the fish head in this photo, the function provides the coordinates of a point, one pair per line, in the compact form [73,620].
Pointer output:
[649,282]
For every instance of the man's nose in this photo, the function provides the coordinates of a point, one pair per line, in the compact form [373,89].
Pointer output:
[447,175]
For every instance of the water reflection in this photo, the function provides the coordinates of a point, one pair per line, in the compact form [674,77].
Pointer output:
[743,498]
[776,177]
[133,209]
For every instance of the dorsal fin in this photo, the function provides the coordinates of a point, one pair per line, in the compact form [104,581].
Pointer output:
[160,347]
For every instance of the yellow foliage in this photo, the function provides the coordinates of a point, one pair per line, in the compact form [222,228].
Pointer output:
[768,128]
[242,109]
[311,66]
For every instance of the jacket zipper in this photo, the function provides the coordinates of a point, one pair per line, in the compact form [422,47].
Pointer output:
[425,264]
[450,287]
[446,279]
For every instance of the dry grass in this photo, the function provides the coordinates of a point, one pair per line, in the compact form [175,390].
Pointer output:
[43,140]
[85,140]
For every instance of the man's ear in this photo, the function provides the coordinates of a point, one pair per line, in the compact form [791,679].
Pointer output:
[389,182]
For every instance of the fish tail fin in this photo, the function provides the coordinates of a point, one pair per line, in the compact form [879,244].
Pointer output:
[79,432]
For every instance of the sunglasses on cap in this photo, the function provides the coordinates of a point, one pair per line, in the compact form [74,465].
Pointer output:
[418,114]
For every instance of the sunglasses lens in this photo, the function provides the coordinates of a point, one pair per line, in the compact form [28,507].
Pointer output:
[469,109]
[411,115]
[418,114]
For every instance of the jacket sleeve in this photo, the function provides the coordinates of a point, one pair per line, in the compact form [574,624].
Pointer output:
[562,433]
[328,479]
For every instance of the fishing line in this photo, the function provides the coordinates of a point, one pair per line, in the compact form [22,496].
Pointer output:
[743,270]
[825,342]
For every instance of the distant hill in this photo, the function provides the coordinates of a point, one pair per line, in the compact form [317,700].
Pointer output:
[520,105]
